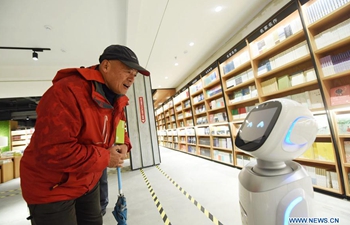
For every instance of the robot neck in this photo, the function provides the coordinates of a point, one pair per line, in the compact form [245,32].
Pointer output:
[267,168]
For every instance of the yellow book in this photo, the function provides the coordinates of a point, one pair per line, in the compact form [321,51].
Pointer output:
[325,151]
[120,132]
[269,86]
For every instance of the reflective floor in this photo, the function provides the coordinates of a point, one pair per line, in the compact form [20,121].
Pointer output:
[182,190]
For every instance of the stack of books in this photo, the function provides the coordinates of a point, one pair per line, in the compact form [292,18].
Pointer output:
[321,8]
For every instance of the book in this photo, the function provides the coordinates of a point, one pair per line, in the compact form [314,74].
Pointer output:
[324,151]
[283,82]
[343,123]
[297,78]
[310,75]
[340,95]
[269,85]
[315,99]
[322,124]
[347,151]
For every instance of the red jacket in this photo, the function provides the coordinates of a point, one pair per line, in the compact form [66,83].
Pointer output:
[75,125]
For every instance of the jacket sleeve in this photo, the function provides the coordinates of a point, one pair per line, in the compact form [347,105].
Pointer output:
[57,130]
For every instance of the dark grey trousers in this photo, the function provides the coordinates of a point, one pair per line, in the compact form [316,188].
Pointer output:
[84,210]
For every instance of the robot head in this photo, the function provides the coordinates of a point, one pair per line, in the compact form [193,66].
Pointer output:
[277,130]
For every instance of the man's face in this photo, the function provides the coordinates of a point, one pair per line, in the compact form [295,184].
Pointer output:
[118,76]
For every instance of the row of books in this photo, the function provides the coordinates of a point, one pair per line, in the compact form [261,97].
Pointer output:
[200,109]
[283,58]
[217,103]
[196,87]
[240,78]
[202,120]
[323,151]
[178,108]
[210,78]
[241,112]
[277,36]
[310,99]
[237,60]
[171,126]
[218,117]
[321,8]
[189,122]
[192,149]
[222,143]
[221,156]
[204,141]
[323,177]
[187,103]
[243,160]
[213,91]
[346,147]
[204,152]
[243,94]
[220,130]
[183,95]
[192,140]
[332,64]
[334,34]
[182,132]
[286,81]
[198,98]
[203,130]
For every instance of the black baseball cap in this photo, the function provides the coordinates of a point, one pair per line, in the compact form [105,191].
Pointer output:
[124,55]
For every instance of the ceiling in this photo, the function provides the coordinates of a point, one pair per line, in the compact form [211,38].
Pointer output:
[159,31]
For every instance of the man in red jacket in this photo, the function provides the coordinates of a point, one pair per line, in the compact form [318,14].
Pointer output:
[74,139]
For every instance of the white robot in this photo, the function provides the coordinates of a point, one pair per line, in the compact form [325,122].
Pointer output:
[275,188]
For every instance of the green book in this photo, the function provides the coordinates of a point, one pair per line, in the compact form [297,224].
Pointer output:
[283,82]
[120,132]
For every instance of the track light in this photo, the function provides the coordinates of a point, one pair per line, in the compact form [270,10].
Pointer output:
[35,55]
[34,49]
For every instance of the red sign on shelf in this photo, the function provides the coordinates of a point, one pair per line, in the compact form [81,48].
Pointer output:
[142,110]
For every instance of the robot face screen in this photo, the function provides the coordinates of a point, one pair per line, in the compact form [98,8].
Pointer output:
[257,126]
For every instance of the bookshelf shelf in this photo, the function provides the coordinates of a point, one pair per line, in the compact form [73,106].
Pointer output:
[239,86]
[327,20]
[240,68]
[286,43]
[319,162]
[286,66]
[334,46]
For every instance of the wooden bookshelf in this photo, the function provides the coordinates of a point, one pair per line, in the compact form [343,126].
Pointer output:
[300,57]
[328,32]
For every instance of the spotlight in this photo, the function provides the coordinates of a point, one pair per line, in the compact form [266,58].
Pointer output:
[35,55]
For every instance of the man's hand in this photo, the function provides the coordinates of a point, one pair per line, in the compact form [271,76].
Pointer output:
[117,155]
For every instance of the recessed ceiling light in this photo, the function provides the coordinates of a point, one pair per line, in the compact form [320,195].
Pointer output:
[48,27]
[176,64]
[218,9]
[191,44]
[166,77]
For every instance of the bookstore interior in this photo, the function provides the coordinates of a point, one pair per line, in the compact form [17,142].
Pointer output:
[300,53]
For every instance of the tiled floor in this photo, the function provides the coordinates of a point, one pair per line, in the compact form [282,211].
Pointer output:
[179,178]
